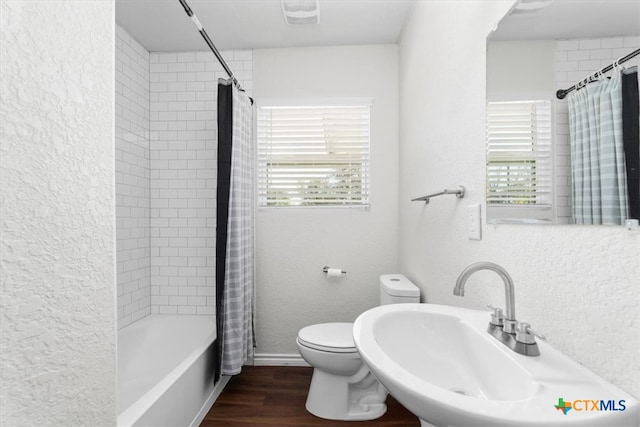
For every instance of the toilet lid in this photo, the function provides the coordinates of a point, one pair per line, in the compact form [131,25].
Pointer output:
[334,337]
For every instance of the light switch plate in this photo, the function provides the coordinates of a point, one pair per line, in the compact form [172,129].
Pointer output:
[475,223]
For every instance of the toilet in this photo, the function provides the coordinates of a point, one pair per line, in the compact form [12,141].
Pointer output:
[342,387]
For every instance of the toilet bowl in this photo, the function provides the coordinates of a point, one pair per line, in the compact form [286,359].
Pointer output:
[342,387]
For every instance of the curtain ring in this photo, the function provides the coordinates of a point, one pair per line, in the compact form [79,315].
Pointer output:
[617,68]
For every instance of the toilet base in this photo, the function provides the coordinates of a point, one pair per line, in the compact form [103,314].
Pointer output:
[359,397]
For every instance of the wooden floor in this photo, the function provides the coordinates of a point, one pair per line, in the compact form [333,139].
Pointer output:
[275,396]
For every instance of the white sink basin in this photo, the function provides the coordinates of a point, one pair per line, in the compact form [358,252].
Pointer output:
[442,365]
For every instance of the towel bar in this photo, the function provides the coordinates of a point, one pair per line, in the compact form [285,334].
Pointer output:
[459,194]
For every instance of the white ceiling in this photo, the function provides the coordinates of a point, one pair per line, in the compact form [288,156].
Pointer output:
[569,19]
[163,25]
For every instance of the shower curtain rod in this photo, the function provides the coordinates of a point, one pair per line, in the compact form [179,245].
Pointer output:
[561,93]
[213,48]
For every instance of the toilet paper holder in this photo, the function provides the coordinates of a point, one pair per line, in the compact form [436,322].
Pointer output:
[326,268]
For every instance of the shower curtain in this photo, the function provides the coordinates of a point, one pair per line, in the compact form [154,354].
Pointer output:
[597,153]
[235,230]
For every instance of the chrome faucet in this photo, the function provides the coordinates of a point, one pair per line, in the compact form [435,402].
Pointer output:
[519,337]
[510,318]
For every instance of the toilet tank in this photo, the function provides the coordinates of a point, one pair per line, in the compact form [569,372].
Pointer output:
[396,288]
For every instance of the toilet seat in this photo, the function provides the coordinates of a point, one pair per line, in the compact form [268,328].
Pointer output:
[329,337]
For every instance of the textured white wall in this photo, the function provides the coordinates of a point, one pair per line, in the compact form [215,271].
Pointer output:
[132,178]
[58,222]
[294,244]
[577,284]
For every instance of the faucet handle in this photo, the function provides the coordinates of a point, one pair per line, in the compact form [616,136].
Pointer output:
[525,334]
[497,317]
[537,334]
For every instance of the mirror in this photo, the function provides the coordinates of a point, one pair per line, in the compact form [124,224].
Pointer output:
[539,47]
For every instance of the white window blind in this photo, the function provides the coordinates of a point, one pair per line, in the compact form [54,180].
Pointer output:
[313,155]
[519,162]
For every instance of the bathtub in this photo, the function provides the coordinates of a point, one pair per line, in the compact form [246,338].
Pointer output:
[165,371]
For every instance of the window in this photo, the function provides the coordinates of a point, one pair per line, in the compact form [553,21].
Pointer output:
[519,163]
[313,155]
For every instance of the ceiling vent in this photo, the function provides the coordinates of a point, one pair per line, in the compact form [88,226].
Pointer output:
[301,12]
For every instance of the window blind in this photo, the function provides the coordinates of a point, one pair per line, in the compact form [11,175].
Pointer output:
[313,155]
[519,163]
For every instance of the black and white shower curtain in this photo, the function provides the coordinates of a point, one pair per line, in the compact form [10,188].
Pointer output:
[235,230]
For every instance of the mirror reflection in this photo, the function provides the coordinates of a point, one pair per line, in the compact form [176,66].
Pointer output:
[572,160]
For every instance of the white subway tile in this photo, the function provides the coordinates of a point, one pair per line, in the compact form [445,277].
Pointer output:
[204,56]
[167,96]
[177,125]
[158,87]
[621,52]
[590,44]
[197,300]
[613,42]
[592,65]
[207,291]
[159,300]
[568,44]
[186,115]
[243,55]
[186,56]
[165,57]
[167,115]
[178,261]
[195,66]
[600,54]
[195,86]
[213,66]
[188,291]
[187,96]
[176,86]
[632,42]
[576,55]
[178,67]
[186,77]
[167,309]
[206,310]
[186,309]
[170,150]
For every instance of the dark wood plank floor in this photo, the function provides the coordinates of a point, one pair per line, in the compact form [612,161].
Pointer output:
[275,396]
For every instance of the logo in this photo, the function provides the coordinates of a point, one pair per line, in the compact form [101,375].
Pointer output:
[563,406]
[589,405]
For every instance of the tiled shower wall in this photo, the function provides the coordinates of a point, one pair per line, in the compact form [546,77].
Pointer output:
[166,148]
[132,178]
[183,176]
[575,60]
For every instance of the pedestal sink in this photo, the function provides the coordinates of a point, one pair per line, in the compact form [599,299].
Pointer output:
[442,365]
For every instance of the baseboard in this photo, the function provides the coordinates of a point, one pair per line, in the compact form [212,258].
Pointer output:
[270,359]
[215,393]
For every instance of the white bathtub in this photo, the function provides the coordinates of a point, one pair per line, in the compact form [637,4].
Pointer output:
[165,371]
